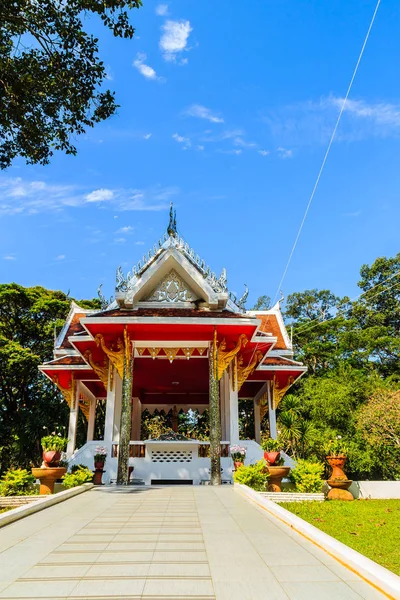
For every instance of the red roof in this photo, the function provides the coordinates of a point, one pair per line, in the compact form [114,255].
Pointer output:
[271,325]
[74,328]
[167,312]
[67,360]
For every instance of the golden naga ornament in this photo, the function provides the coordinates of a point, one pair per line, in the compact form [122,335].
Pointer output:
[263,405]
[84,405]
[225,358]
[116,357]
[100,369]
[244,372]
[69,392]
[171,353]
[277,392]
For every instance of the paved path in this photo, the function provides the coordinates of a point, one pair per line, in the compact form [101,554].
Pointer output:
[166,543]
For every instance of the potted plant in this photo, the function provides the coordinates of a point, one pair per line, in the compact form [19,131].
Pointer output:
[272,450]
[238,454]
[274,464]
[336,455]
[53,445]
[100,456]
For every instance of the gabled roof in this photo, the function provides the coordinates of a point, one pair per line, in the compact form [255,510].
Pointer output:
[272,322]
[72,326]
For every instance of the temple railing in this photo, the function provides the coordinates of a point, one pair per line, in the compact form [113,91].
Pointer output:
[137,449]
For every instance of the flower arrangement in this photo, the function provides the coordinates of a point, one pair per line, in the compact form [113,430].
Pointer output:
[336,447]
[238,453]
[54,442]
[100,454]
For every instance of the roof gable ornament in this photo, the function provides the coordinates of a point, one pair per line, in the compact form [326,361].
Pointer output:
[104,303]
[172,289]
[172,229]
[241,303]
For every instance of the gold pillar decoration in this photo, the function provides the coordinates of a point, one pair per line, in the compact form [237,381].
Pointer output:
[244,372]
[263,406]
[101,370]
[69,392]
[116,357]
[225,358]
[277,392]
[215,355]
[84,405]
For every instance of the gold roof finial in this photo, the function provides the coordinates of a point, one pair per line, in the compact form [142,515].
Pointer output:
[172,229]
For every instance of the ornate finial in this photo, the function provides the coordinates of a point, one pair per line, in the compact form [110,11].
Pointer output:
[102,298]
[171,230]
[243,299]
[223,279]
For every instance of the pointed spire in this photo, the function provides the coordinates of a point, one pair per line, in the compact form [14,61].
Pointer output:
[172,229]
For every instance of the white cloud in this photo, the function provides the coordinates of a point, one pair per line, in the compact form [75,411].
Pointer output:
[264,152]
[120,240]
[239,141]
[22,197]
[185,141]
[201,112]
[285,153]
[144,69]
[9,257]
[147,136]
[60,257]
[174,38]
[100,195]
[139,243]
[200,148]
[236,152]
[162,10]
[126,229]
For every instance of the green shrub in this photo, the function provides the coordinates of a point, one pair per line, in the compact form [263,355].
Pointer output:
[17,482]
[75,468]
[54,442]
[271,445]
[78,477]
[307,476]
[255,476]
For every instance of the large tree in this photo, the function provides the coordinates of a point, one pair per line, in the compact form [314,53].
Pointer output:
[28,401]
[51,74]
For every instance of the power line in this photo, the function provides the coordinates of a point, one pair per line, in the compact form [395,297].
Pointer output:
[327,150]
[306,327]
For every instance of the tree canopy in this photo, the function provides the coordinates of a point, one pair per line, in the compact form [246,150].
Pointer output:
[28,401]
[51,74]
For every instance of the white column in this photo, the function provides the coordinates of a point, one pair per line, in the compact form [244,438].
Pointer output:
[109,418]
[117,406]
[136,419]
[91,419]
[257,420]
[224,386]
[233,412]
[73,421]
[271,415]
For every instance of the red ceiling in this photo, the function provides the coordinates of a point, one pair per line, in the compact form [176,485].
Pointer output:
[157,375]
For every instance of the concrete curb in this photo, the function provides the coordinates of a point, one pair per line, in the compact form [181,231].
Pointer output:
[379,577]
[45,502]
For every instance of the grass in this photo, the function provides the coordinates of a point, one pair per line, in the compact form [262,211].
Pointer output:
[372,527]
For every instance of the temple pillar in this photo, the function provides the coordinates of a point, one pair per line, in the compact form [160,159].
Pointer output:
[271,414]
[233,416]
[73,420]
[91,419]
[136,419]
[117,407]
[224,387]
[257,420]
[110,410]
[215,416]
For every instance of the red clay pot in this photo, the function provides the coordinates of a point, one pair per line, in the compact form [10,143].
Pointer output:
[52,458]
[238,464]
[272,457]
[337,463]
[99,465]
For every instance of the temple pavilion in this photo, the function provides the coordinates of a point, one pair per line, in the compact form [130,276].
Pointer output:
[172,329]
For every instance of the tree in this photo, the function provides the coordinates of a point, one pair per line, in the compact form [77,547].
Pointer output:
[51,74]
[28,401]
[262,303]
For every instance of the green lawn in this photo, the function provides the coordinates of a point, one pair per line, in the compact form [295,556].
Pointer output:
[371,527]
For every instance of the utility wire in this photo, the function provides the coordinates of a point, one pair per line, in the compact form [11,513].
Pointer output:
[327,150]
[306,328]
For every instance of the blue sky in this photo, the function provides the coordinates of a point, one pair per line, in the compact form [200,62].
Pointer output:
[226,110]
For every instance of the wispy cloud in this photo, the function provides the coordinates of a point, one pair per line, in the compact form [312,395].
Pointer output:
[174,39]
[162,10]
[144,69]
[236,152]
[239,141]
[264,152]
[139,243]
[125,230]
[147,136]
[313,122]
[284,153]
[352,215]
[202,112]
[9,257]
[19,196]
[120,240]
[185,141]
[61,257]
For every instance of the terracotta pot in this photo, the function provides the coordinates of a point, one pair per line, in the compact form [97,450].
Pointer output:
[51,458]
[238,464]
[339,489]
[98,477]
[276,474]
[48,476]
[337,463]
[99,465]
[272,457]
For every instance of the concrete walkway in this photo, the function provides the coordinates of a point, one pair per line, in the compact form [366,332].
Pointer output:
[172,542]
